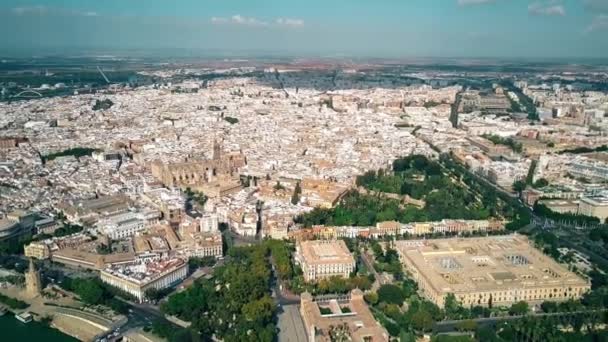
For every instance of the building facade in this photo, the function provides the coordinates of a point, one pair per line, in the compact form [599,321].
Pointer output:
[498,270]
[324,258]
[137,278]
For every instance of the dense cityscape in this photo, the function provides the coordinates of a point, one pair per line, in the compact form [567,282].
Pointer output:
[303,200]
[275,171]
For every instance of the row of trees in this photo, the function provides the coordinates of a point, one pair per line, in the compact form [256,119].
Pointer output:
[76,152]
[93,292]
[544,211]
[583,149]
[13,303]
[498,203]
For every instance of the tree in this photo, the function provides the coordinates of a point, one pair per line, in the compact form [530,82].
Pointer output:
[466,325]
[486,334]
[541,183]
[295,198]
[407,336]
[371,298]
[391,294]
[422,321]
[231,120]
[103,104]
[278,186]
[452,307]
[235,305]
[260,310]
[547,306]
[196,262]
[154,294]
[519,186]
[519,308]
[89,290]
[451,338]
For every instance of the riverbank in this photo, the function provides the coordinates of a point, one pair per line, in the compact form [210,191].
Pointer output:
[83,326]
[77,328]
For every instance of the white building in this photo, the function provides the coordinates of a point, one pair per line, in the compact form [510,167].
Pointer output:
[137,278]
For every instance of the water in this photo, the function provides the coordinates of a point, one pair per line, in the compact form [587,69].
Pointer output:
[12,330]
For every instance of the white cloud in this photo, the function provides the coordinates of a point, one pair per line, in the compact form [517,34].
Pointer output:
[238,19]
[599,23]
[474,2]
[290,22]
[551,8]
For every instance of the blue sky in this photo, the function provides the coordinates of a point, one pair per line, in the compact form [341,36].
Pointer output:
[367,28]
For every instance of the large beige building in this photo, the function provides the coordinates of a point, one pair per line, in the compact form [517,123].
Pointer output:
[136,278]
[324,258]
[500,270]
[594,206]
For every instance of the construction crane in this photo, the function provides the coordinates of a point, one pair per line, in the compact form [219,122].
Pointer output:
[102,74]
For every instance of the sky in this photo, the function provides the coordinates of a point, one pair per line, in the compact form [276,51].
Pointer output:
[321,28]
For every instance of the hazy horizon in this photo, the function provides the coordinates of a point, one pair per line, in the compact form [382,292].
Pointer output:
[570,29]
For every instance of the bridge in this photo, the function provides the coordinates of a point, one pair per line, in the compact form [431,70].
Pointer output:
[30,94]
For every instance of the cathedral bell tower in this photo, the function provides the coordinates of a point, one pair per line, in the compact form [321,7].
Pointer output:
[33,285]
[217,150]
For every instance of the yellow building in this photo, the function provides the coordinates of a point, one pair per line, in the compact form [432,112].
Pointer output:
[38,250]
[594,206]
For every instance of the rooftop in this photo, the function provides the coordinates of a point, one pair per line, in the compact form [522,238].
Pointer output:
[142,273]
[325,252]
[487,263]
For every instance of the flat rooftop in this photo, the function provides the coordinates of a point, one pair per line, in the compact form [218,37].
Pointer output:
[142,273]
[462,265]
[325,252]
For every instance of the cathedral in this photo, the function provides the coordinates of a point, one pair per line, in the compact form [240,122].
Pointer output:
[193,174]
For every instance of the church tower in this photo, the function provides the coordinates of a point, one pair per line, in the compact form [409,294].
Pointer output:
[33,285]
[217,150]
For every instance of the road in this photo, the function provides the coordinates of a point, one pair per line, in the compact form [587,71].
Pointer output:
[450,326]
[291,325]
[280,292]
[140,315]
[368,260]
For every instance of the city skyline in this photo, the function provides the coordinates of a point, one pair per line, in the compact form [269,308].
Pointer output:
[391,29]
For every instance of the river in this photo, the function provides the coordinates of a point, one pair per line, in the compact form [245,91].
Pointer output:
[12,330]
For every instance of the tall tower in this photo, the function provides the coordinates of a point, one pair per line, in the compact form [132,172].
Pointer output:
[217,150]
[33,285]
